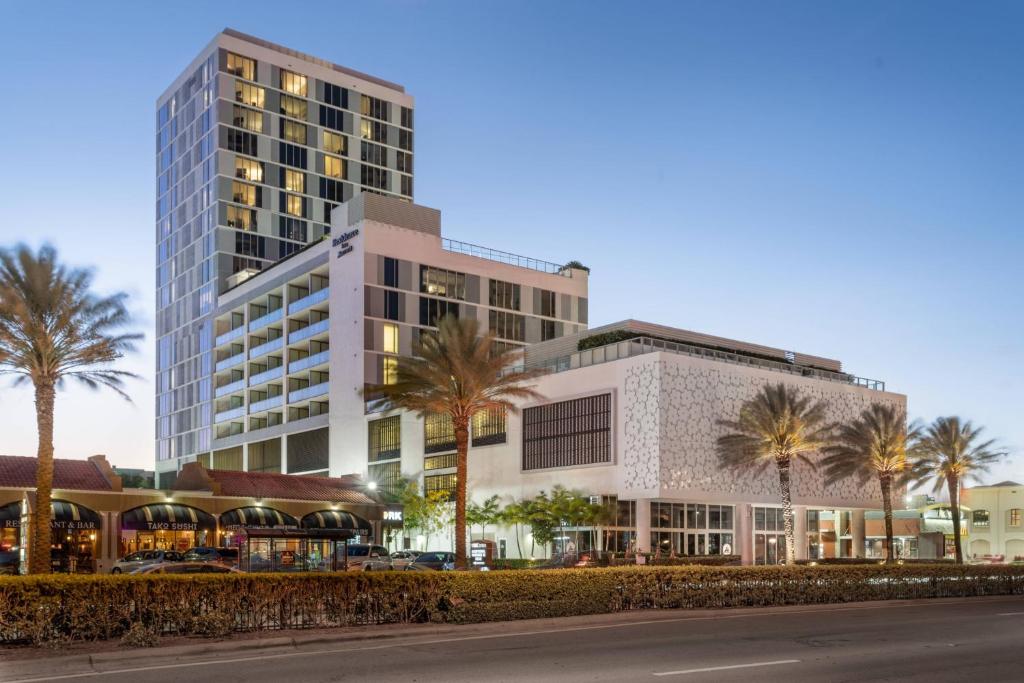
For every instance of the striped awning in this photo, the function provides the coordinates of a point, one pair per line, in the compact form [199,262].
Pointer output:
[255,517]
[63,515]
[167,517]
[337,519]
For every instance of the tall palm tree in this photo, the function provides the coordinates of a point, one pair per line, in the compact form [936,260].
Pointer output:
[949,452]
[53,328]
[458,372]
[778,426]
[873,446]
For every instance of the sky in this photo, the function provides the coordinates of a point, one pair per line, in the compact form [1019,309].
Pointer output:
[842,179]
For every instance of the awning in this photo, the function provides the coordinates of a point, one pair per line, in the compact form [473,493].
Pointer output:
[256,517]
[63,515]
[337,519]
[167,517]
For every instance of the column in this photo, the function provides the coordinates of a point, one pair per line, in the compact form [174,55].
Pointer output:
[743,544]
[800,531]
[643,525]
[857,531]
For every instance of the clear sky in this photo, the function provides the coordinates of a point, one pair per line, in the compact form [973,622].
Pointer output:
[841,178]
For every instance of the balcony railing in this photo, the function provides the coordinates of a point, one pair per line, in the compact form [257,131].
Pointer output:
[309,392]
[237,385]
[265,320]
[230,362]
[266,404]
[230,335]
[309,300]
[308,361]
[309,331]
[266,375]
[504,257]
[232,414]
[266,347]
[641,345]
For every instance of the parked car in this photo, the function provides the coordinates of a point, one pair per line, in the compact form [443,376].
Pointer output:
[143,558]
[402,558]
[228,556]
[187,568]
[9,562]
[441,561]
[367,557]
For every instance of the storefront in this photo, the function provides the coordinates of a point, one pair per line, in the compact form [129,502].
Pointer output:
[74,534]
[165,526]
[252,517]
[362,530]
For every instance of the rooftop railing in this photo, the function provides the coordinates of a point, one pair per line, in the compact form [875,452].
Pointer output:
[642,345]
[504,257]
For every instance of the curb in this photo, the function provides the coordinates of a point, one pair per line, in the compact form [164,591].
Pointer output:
[220,647]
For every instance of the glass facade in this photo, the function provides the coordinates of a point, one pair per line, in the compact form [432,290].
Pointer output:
[692,529]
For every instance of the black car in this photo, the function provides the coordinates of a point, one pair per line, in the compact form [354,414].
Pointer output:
[441,561]
[228,556]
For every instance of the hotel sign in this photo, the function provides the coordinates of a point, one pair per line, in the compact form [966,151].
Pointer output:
[344,241]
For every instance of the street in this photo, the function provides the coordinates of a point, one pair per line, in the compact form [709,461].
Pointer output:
[935,640]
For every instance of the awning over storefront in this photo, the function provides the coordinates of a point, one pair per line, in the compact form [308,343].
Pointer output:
[255,517]
[167,517]
[337,519]
[63,515]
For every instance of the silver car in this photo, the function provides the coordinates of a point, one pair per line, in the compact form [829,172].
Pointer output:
[367,557]
[402,558]
[144,558]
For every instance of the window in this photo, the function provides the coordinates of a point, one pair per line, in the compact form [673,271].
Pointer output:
[293,181]
[390,272]
[439,483]
[334,166]
[373,177]
[389,370]
[385,438]
[292,229]
[980,518]
[334,143]
[244,193]
[242,142]
[292,155]
[294,107]
[769,519]
[249,94]
[243,219]
[293,83]
[373,130]
[440,462]
[389,340]
[405,139]
[438,433]
[489,427]
[333,190]
[249,169]
[294,204]
[406,185]
[391,305]
[504,295]
[547,303]
[406,117]
[240,66]
[336,95]
[293,132]
[371,106]
[247,244]
[547,330]
[432,310]
[568,433]
[403,161]
[507,325]
[1015,517]
[440,282]
[373,154]
[250,119]
[387,476]
[332,118]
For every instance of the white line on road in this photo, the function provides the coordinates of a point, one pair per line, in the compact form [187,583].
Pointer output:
[1009,614]
[726,668]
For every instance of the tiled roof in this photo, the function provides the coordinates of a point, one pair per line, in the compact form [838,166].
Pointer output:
[20,472]
[286,486]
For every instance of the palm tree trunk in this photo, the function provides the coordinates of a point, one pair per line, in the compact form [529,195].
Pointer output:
[886,484]
[462,462]
[519,546]
[39,558]
[787,510]
[954,508]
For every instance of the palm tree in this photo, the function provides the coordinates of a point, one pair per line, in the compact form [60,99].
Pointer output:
[458,372]
[949,452]
[777,426]
[873,446]
[515,514]
[52,328]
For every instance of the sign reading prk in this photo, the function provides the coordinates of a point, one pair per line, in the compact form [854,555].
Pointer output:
[343,241]
[392,515]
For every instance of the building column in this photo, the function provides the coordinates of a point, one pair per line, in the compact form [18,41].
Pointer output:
[743,544]
[857,531]
[800,531]
[643,525]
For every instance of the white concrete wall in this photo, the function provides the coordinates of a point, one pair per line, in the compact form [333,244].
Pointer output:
[999,538]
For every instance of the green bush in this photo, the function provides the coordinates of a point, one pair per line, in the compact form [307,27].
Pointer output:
[56,609]
[868,560]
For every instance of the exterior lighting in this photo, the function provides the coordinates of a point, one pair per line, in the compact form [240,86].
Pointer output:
[372,485]
[92,537]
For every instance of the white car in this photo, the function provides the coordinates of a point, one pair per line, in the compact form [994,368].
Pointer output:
[366,557]
[143,558]
[402,558]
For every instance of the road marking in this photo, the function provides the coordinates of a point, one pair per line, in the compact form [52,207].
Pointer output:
[1009,614]
[726,668]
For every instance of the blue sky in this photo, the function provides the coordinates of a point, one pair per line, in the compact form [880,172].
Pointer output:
[840,178]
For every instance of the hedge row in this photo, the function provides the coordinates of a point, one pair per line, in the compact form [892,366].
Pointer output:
[43,610]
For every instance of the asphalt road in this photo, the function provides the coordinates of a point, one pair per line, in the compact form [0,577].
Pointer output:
[936,640]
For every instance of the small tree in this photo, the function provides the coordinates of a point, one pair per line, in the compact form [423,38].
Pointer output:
[515,515]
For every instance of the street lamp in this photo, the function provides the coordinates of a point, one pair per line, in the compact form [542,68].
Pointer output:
[372,485]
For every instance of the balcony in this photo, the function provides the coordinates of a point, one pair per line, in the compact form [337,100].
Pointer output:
[266,376]
[230,362]
[266,404]
[265,320]
[230,335]
[309,331]
[309,300]
[232,414]
[309,392]
[267,347]
[308,361]
[237,385]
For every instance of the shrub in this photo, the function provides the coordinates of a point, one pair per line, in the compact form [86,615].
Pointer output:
[54,609]
[140,635]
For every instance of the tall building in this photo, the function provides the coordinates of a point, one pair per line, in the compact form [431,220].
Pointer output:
[255,144]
